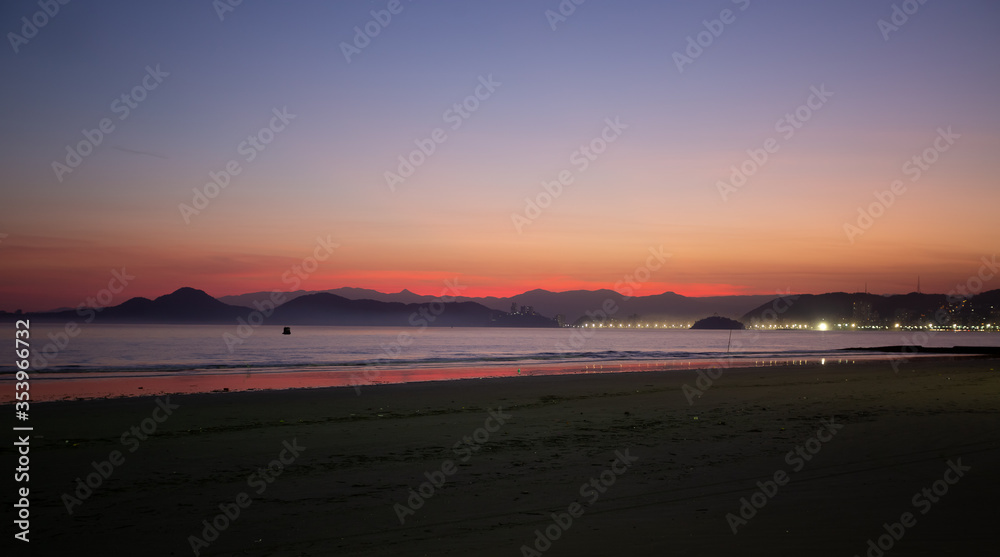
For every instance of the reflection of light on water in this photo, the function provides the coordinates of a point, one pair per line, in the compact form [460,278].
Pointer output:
[822,362]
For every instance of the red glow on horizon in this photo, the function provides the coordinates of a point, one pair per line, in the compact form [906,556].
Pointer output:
[425,287]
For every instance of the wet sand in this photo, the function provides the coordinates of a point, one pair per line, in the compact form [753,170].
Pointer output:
[50,386]
[839,451]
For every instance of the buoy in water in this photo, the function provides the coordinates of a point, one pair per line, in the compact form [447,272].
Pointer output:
[287,331]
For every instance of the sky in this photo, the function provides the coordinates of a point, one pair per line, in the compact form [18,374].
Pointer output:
[755,146]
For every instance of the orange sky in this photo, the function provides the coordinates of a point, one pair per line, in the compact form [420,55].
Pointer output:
[641,146]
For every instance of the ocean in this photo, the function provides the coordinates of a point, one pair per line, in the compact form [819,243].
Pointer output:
[167,348]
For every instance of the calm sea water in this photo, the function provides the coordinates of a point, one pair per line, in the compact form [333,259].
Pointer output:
[138,348]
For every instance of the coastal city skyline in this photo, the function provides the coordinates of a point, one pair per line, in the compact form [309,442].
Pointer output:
[515,146]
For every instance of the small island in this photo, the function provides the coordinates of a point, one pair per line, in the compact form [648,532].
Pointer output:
[716,323]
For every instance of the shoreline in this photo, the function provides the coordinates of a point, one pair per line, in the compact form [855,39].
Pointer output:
[49,387]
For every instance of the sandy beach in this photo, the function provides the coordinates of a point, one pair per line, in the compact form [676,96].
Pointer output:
[807,460]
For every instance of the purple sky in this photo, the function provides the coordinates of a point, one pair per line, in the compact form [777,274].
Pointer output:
[663,176]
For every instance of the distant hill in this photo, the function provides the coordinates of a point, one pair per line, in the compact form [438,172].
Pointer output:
[185,305]
[879,311]
[537,308]
[572,304]
[330,309]
[404,296]
[717,323]
[189,305]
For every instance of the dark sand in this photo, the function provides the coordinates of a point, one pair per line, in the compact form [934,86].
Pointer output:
[363,453]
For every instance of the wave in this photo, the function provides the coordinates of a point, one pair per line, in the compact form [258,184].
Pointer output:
[446,361]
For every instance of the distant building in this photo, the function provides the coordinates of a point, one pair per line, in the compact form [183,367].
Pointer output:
[863,316]
[906,317]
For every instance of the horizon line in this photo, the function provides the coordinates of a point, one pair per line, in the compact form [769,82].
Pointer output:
[407,290]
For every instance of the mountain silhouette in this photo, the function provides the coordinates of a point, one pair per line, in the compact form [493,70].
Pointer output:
[330,309]
[573,305]
[913,309]
[184,305]
[190,305]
